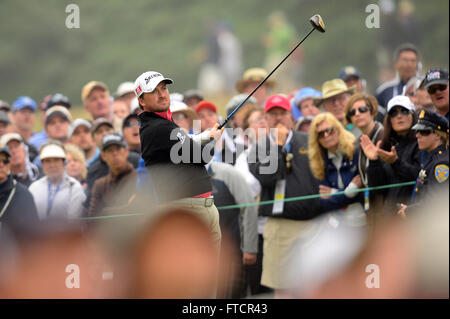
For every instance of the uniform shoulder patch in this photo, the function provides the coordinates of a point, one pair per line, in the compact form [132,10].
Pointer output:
[441,173]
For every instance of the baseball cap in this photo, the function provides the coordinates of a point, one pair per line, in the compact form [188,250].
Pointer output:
[236,100]
[206,105]
[58,110]
[435,76]
[178,106]
[4,106]
[87,89]
[429,120]
[277,101]
[4,118]
[75,124]
[112,139]
[52,150]
[128,117]
[5,150]
[6,138]
[349,71]
[303,94]
[148,81]
[22,102]
[58,99]
[124,88]
[99,122]
[400,100]
[193,93]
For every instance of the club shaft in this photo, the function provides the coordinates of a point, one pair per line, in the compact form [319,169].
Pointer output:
[262,82]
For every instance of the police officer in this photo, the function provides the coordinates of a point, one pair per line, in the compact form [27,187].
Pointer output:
[432,137]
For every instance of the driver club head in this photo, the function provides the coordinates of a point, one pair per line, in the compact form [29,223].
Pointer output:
[317,23]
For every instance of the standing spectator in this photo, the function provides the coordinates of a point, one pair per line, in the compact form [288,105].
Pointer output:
[130,132]
[80,135]
[352,77]
[125,93]
[192,98]
[361,111]
[182,115]
[120,109]
[56,194]
[240,224]
[96,100]
[207,113]
[76,164]
[22,169]
[436,83]
[396,158]
[406,64]
[335,95]
[283,160]
[256,124]
[5,123]
[417,94]
[23,116]
[333,159]
[303,103]
[17,208]
[113,192]
[57,123]
[432,136]
[250,80]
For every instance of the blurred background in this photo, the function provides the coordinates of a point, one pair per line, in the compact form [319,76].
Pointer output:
[118,40]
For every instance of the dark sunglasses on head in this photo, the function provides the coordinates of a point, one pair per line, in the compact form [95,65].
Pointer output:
[424,132]
[329,131]
[5,161]
[361,109]
[396,111]
[132,123]
[434,88]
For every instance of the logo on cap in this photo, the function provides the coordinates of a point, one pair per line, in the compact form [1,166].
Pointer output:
[422,114]
[138,90]
[436,75]
[148,78]
[350,70]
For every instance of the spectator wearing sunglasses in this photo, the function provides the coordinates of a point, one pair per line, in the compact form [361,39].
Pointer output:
[396,158]
[333,159]
[436,83]
[130,132]
[361,111]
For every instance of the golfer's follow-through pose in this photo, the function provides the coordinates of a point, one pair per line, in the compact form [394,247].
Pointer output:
[175,161]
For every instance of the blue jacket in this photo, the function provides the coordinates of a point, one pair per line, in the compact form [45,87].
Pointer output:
[348,170]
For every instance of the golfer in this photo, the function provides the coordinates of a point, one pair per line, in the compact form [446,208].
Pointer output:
[175,161]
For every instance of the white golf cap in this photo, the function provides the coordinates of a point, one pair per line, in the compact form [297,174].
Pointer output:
[124,88]
[400,100]
[75,124]
[148,81]
[178,106]
[52,151]
[6,138]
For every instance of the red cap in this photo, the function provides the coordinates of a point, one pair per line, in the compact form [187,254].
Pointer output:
[206,105]
[277,101]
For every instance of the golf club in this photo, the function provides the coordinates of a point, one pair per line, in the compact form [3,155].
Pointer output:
[317,23]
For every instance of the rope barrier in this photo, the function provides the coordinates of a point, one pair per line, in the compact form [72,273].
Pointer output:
[268,202]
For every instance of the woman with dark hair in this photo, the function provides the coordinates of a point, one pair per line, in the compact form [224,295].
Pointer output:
[361,111]
[395,158]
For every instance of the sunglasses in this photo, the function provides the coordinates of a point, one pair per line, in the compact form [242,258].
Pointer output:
[434,88]
[395,112]
[132,123]
[328,131]
[5,161]
[424,132]
[361,109]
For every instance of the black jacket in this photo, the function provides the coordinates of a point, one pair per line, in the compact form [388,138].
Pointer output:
[299,180]
[175,162]
[21,212]
[405,169]
[435,173]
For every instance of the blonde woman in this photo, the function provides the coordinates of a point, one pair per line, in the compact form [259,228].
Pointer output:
[76,164]
[333,160]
